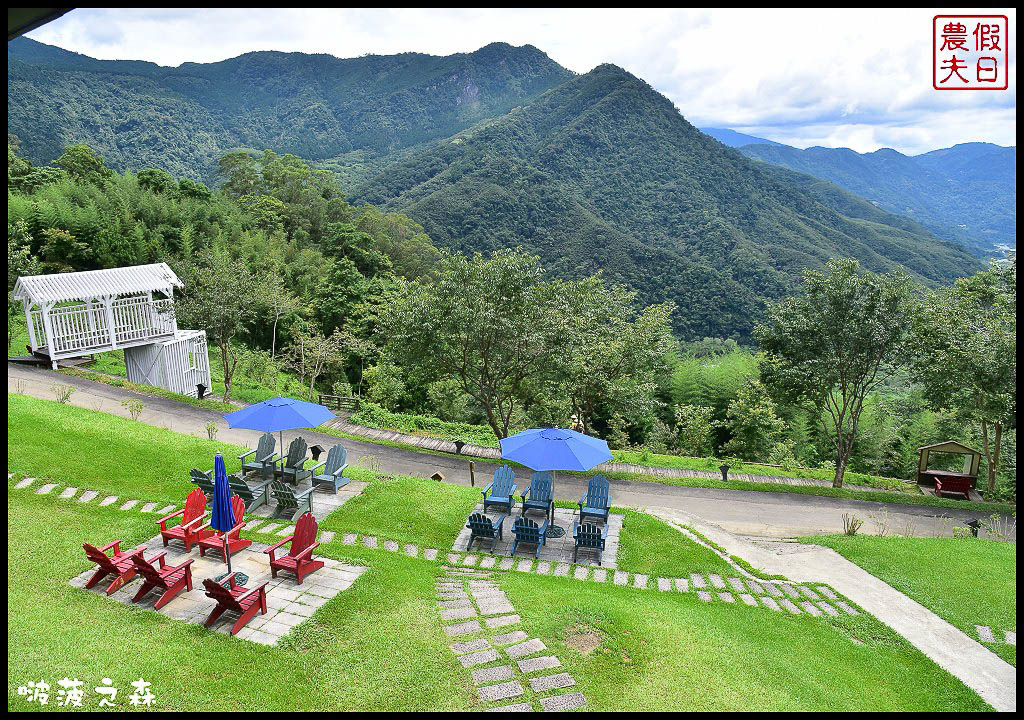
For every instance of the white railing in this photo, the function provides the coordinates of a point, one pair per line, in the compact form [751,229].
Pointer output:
[81,328]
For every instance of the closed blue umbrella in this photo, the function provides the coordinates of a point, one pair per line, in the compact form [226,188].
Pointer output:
[223,514]
[555,449]
[278,414]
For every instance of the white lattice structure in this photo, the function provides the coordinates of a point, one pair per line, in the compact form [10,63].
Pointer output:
[74,314]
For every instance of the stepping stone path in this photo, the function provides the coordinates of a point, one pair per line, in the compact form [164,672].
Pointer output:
[487,656]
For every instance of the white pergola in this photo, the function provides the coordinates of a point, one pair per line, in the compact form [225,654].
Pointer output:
[79,313]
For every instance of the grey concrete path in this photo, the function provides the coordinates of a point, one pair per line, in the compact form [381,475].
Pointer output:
[976,666]
[742,512]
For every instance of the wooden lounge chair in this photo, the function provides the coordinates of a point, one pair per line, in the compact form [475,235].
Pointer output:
[540,495]
[502,489]
[170,580]
[590,537]
[299,559]
[527,532]
[481,528]
[203,481]
[215,541]
[238,599]
[289,502]
[292,465]
[333,469]
[595,502]
[192,515]
[253,495]
[119,565]
[261,460]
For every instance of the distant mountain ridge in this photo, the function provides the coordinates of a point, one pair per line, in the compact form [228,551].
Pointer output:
[966,193]
[491,149]
[732,138]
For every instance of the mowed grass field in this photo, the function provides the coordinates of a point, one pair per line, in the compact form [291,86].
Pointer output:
[380,645]
[965,581]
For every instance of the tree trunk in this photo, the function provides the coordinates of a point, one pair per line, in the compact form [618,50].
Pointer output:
[842,459]
[228,369]
[993,462]
[273,337]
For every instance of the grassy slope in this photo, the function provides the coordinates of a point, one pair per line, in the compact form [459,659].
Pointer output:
[379,645]
[967,582]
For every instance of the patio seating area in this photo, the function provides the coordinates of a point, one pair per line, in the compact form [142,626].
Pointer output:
[288,603]
[556,549]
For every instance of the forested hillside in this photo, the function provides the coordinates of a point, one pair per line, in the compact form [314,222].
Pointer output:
[966,193]
[604,173]
[138,114]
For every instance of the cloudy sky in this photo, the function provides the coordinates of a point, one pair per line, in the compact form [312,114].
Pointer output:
[838,78]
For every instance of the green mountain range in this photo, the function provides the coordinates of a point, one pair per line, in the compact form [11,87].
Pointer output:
[966,193]
[490,149]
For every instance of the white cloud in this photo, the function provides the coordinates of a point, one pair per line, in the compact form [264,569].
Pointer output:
[857,78]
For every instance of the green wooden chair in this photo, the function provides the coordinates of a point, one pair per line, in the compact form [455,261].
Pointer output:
[482,528]
[540,495]
[203,481]
[289,502]
[261,460]
[253,495]
[527,532]
[596,502]
[292,466]
[589,536]
[333,469]
[502,489]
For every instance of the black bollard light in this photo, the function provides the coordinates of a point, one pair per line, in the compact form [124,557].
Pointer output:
[725,472]
[975,526]
[200,390]
[459,444]
[316,450]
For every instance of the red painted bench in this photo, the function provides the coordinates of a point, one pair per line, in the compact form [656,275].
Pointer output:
[953,484]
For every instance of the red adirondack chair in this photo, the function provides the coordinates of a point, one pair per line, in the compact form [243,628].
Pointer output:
[237,599]
[170,580]
[189,531]
[235,542]
[119,565]
[299,559]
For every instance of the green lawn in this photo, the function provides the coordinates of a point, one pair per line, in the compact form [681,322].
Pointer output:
[650,546]
[967,582]
[379,645]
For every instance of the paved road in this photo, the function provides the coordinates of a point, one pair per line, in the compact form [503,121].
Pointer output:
[742,512]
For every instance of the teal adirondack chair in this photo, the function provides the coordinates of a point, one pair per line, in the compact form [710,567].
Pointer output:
[526,531]
[333,469]
[502,489]
[289,502]
[261,460]
[482,528]
[596,502]
[253,495]
[203,481]
[292,466]
[590,537]
[540,495]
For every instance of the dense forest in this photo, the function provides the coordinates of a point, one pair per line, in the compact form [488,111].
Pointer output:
[490,149]
[288,277]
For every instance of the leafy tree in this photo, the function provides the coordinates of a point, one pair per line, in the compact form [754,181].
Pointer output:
[609,353]
[486,322]
[314,353]
[220,296]
[695,430]
[20,261]
[965,354]
[384,385]
[83,163]
[62,252]
[834,343]
[752,421]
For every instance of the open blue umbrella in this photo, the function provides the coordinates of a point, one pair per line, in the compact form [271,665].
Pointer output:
[278,414]
[223,514]
[555,449]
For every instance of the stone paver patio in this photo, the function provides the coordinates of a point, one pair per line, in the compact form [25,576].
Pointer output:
[556,550]
[288,603]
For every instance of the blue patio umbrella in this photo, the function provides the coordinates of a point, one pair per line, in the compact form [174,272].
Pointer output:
[223,514]
[555,449]
[278,414]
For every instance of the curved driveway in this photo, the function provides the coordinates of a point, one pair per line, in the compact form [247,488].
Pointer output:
[742,512]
